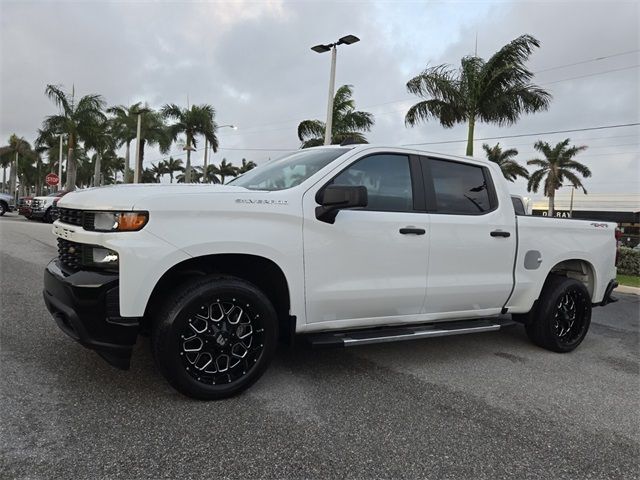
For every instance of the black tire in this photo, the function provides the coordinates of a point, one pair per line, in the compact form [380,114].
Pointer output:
[179,328]
[3,208]
[562,316]
[47,216]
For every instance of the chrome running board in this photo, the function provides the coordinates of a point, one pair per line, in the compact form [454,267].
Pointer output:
[405,332]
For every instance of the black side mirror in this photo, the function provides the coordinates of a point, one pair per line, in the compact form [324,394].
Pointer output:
[334,198]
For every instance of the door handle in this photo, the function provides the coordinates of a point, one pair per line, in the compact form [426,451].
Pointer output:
[500,233]
[412,230]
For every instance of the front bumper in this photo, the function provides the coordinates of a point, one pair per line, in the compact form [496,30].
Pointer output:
[84,304]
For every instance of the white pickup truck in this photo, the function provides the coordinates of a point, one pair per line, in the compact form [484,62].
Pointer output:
[347,245]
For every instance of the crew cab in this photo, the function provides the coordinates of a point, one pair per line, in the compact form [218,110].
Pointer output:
[344,245]
[42,208]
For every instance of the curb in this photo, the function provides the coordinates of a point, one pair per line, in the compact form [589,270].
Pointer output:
[627,289]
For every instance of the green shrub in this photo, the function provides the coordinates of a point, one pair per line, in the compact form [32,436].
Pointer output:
[628,261]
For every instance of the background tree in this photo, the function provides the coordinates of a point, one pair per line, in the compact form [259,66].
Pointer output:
[153,131]
[192,122]
[124,122]
[173,165]
[159,170]
[10,155]
[226,169]
[495,91]
[49,143]
[76,120]
[210,175]
[102,142]
[147,176]
[504,158]
[246,166]
[557,166]
[347,122]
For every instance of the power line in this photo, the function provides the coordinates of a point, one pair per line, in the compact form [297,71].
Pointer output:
[603,127]
[592,74]
[597,59]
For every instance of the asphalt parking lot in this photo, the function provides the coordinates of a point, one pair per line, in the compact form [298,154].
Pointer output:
[489,405]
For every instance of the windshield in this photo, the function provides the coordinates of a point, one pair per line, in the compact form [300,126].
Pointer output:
[288,171]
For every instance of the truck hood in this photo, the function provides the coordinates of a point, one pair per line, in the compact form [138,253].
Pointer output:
[125,197]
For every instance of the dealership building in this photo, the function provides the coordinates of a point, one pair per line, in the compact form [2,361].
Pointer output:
[622,208]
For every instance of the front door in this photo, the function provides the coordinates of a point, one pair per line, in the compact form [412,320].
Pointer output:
[372,262]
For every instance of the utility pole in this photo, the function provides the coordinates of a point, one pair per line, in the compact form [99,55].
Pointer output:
[573,188]
[204,170]
[136,172]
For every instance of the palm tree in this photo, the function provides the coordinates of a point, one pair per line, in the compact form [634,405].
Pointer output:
[246,166]
[494,91]
[193,121]
[196,176]
[226,169]
[147,176]
[10,156]
[158,170]
[124,123]
[173,165]
[504,158]
[557,166]
[153,131]
[348,124]
[75,120]
[50,143]
[211,173]
[102,142]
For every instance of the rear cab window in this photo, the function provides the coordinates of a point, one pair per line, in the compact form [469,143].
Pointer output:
[458,188]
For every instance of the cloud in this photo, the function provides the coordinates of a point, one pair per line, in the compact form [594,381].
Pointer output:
[252,61]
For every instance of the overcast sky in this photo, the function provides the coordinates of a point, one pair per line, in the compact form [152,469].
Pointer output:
[252,62]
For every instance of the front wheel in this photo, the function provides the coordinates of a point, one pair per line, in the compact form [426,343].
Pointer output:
[215,337]
[48,217]
[563,315]
[3,208]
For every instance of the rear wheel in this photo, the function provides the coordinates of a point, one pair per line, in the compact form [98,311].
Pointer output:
[562,316]
[215,337]
[3,208]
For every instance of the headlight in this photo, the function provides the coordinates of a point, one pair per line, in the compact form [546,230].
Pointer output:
[119,221]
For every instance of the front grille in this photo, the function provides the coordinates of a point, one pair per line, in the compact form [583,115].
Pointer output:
[73,216]
[70,253]
[35,204]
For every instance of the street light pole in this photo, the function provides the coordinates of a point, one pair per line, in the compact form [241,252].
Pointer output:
[60,164]
[136,172]
[346,40]
[332,85]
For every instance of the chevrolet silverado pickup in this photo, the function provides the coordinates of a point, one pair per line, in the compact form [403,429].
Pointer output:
[345,245]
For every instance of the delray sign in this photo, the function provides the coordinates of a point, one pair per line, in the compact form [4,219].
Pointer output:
[558,213]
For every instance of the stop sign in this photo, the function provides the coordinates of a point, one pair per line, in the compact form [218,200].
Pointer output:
[52,179]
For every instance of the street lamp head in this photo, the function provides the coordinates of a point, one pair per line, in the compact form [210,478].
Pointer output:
[348,40]
[321,48]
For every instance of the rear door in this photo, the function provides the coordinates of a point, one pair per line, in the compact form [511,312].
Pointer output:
[472,239]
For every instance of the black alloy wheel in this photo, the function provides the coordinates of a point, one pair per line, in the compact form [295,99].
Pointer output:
[563,316]
[215,337]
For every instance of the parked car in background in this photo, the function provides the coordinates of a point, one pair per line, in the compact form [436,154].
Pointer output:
[42,207]
[6,203]
[24,206]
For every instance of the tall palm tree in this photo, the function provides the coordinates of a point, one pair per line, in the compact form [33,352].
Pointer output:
[557,165]
[348,123]
[192,121]
[49,143]
[153,131]
[76,120]
[173,165]
[504,158]
[246,166]
[10,155]
[496,91]
[102,142]
[124,122]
